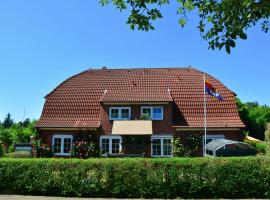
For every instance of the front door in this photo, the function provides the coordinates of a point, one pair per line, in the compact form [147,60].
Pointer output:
[135,145]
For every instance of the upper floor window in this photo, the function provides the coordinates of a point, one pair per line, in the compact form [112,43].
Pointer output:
[154,112]
[119,113]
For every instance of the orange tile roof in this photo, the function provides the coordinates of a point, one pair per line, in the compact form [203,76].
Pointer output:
[77,101]
[136,94]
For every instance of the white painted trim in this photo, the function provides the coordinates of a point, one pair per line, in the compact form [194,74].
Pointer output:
[151,108]
[110,137]
[119,112]
[208,129]
[62,137]
[161,137]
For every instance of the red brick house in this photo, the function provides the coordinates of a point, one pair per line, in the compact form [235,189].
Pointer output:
[109,103]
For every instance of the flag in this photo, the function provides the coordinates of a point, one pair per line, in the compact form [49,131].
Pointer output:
[209,89]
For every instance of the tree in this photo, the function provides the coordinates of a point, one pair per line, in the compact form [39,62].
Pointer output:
[255,117]
[25,123]
[221,22]
[5,137]
[8,122]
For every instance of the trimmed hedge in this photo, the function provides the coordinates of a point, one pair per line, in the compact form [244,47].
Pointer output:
[19,154]
[135,178]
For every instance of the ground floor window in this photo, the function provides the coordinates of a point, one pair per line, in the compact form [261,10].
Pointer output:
[161,146]
[62,144]
[110,144]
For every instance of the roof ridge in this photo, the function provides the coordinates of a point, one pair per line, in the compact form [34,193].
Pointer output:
[141,68]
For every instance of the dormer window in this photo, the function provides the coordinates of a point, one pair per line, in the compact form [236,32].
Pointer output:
[154,112]
[119,113]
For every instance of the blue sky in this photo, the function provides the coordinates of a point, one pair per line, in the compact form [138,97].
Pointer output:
[44,42]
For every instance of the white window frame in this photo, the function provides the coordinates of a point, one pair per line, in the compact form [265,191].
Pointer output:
[152,108]
[119,111]
[62,137]
[161,137]
[110,137]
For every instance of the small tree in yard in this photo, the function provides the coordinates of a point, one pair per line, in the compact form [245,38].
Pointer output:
[191,145]
[84,148]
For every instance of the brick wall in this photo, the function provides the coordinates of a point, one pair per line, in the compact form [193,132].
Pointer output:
[46,136]
[159,126]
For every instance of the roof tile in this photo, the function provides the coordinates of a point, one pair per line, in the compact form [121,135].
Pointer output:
[77,101]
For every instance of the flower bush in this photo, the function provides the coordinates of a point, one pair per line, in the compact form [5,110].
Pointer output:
[188,147]
[84,148]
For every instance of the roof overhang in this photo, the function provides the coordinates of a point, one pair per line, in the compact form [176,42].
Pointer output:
[208,129]
[66,128]
[136,103]
[132,127]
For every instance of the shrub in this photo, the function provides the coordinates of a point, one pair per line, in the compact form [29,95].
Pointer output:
[186,148]
[138,178]
[19,154]
[84,149]
[1,150]
[41,150]
[260,147]
[44,151]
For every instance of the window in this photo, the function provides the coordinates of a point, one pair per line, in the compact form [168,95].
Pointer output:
[62,144]
[155,113]
[119,113]
[161,146]
[110,144]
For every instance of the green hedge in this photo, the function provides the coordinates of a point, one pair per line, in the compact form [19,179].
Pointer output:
[135,178]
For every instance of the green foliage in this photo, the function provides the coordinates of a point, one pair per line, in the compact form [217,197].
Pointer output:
[186,148]
[261,147]
[221,22]
[41,150]
[19,154]
[1,151]
[84,149]
[12,133]
[145,117]
[255,117]
[5,136]
[179,149]
[8,122]
[138,178]
[267,134]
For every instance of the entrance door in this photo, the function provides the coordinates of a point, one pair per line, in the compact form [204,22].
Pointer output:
[135,144]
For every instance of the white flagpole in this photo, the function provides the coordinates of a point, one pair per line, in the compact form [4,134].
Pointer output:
[205,112]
